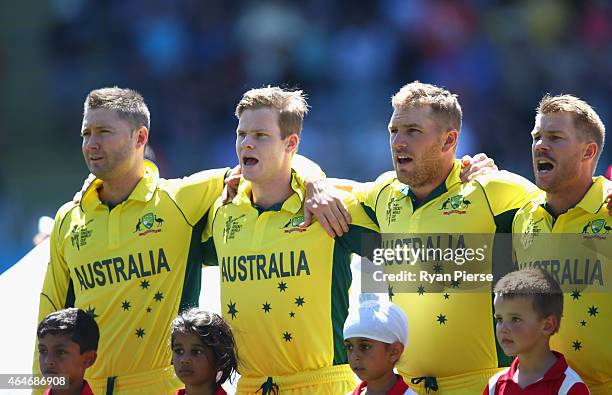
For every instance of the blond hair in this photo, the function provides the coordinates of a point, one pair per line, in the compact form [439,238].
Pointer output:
[128,104]
[291,106]
[444,104]
[586,120]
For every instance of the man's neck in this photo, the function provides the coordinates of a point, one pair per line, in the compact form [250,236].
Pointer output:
[534,364]
[561,201]
[270,192]
[422,191]
[116,190]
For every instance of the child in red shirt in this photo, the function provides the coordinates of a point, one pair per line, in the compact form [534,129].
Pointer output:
[203,352]
[67,345]
[528,306]
[375,334]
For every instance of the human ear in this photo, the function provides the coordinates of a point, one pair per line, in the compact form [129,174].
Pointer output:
[89,357]
[550,325]
[450,141]
[396,351]
[291,142]
[142,136]
[590,151]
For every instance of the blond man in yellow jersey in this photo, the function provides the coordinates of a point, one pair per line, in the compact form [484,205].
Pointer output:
[128,251]
[567,232]
[284,289]
[452,346]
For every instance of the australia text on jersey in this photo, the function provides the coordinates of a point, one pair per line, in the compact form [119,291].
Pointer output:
[264,266]
[117,269]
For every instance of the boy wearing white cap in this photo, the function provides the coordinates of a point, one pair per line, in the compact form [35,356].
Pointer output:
[375,334]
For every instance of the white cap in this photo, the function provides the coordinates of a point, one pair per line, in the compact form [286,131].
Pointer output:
[378,320]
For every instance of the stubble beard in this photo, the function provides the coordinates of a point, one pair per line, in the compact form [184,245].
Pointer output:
[427,167]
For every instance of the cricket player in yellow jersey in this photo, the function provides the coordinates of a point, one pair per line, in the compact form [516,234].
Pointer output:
[567,232]
[128,252]
[452,347]
[284,288]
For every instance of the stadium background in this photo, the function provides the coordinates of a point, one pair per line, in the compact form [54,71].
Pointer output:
[193,59]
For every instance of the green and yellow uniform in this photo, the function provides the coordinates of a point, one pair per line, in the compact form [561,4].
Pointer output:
[133,268]
[284,291]
[579,255]
[452,335]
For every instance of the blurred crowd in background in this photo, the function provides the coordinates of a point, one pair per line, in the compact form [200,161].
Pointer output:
[193,59]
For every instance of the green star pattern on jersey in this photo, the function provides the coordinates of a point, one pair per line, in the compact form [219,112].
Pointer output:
[284,288]
[232,311]
[133,267]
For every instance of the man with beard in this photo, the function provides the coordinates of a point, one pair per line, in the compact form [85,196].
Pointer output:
[567,232]
[452,347]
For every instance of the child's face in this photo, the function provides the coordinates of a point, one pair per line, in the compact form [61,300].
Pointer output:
[59,355]
[194,363]
[518,327]
[371,359]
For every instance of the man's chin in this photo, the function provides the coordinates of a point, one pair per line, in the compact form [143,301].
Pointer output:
[546,185]
[403,176]
[250,175]
[409,179]
[96,169]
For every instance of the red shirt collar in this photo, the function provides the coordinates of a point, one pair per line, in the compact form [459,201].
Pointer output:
[554,373]
[85,391]
[219,391]
[398,388]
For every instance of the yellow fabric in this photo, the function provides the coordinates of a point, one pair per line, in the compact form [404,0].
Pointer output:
[462,384]
[127,266]
[284,290]
[159,381]
[449,336]
[305,169]
[580,258]
[332,380]
[600,389]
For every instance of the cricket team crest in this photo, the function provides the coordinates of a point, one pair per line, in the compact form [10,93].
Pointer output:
[149,223]
[458,205]
[596,229]
[294,225]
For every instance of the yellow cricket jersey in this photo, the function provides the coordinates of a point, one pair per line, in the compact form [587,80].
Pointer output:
[132,268]
[451,333]
[579,256]
[284,289]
